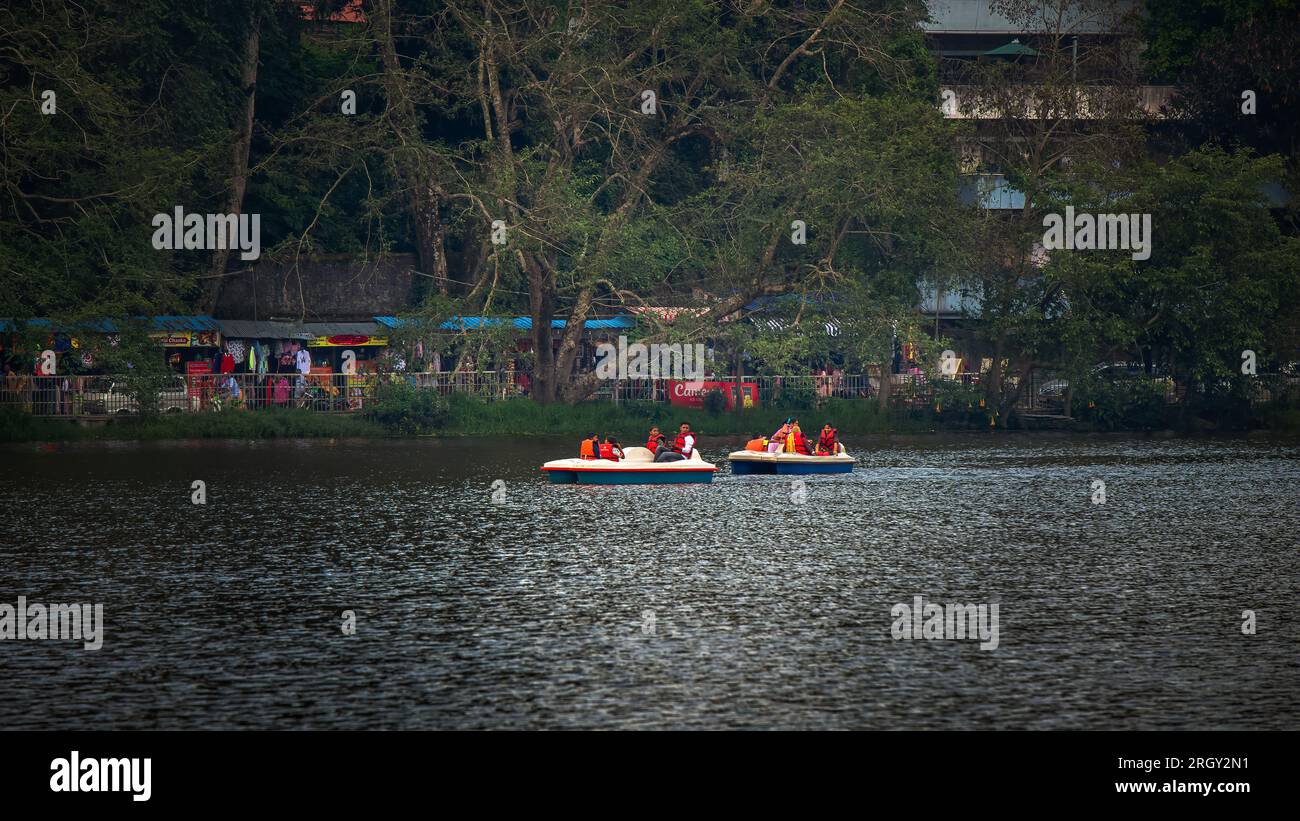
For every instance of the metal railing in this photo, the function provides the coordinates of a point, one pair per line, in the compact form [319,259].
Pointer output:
[113,395]
[851,386]
[87,395]
[100,396]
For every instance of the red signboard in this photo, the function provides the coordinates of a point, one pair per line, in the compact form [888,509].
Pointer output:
[198,382]
[691,394]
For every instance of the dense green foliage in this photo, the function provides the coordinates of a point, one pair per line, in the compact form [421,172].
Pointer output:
[537,117]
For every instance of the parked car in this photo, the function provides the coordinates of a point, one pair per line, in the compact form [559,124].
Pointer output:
[104,396]
[1105,370]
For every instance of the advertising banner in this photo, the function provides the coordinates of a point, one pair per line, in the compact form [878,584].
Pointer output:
[691,394]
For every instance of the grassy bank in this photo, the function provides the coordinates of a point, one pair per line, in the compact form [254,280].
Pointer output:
[427,414]
[269,424]
[630,421]
[461,416]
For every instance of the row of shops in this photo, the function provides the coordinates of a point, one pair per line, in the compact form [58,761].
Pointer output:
[330,355]
[201,345]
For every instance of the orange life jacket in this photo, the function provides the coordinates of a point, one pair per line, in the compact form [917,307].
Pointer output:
[756,444]
[588,449]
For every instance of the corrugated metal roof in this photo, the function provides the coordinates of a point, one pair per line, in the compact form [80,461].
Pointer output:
[158,323]
[343,328]
[249,329]
[184,323]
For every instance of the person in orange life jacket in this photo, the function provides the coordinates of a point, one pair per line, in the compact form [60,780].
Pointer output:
[610,449]
[590,448]
[652,443]
[757,443]
[827,443]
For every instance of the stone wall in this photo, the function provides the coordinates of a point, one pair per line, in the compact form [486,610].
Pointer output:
[334,287]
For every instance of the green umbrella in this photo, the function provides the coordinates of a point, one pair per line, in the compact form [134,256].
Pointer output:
[1013,49]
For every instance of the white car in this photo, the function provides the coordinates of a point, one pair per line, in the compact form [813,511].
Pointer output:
[104,396]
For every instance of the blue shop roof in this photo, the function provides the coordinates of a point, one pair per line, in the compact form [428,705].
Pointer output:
[105,325]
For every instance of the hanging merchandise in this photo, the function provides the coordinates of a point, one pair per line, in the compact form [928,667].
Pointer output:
[252,358]
[227,363]
[236,349]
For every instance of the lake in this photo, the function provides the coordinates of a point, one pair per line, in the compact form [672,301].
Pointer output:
[484,597]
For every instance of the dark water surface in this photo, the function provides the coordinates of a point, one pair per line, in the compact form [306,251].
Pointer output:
[766,613]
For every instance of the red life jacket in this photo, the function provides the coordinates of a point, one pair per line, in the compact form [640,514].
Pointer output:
[679,444]
[827,440]
[801,444]
[652,444]
[606,450]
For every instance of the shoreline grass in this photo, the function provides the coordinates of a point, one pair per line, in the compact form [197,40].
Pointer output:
[461,415]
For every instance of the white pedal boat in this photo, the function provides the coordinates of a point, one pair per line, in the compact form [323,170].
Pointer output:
[637,467]
[789,464]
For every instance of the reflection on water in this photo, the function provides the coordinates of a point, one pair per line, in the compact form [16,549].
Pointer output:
[763,613]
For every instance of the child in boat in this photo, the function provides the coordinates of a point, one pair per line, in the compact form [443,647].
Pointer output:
[827,443]
[652,443]
[590,447]
[758,443]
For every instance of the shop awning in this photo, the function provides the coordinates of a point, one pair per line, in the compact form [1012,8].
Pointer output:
[251,329]
[343,328]
[108,326]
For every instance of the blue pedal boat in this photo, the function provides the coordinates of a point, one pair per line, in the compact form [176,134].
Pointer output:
[637,467]
[788,464]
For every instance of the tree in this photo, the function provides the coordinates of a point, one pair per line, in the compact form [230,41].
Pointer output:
[1059,122]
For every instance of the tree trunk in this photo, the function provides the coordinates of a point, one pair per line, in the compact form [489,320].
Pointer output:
[993,394]
[740,381]
[413,165]
[238,157]
[541,301]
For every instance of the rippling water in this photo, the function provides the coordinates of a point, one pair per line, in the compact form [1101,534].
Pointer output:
[532,613]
